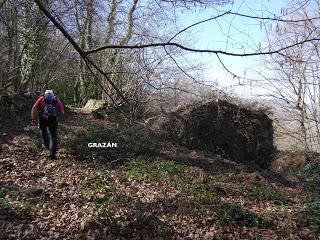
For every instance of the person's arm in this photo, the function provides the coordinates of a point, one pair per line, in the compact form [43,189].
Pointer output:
[60,107]
[34,112]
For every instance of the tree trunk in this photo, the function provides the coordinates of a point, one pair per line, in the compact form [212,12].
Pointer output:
[86,42]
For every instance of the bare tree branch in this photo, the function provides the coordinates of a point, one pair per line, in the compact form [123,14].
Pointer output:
[178,45]
[278,19]
[185,3]
[226,68]
[181,69]
[197,23]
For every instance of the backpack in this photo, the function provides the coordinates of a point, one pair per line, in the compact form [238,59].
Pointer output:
[50,105]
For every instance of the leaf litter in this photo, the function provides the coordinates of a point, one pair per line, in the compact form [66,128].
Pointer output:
[161,199]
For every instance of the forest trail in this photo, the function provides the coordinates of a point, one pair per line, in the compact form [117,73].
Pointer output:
[207,199]
[46,198]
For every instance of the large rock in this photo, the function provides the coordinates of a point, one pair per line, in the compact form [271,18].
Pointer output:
[94,104]
[242,134]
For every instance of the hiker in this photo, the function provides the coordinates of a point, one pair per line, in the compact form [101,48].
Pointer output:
[49,108]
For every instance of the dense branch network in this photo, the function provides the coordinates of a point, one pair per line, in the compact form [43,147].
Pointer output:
[124,45]
[178,45]
[77,47]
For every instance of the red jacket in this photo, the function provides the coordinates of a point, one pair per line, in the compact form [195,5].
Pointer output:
[40,105]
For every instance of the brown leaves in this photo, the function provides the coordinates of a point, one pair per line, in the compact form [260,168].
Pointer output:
[169,199]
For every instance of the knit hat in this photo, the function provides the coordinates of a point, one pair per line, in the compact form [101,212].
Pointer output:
[48,92]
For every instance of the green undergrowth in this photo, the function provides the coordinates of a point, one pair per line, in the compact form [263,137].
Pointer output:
[261,192]
[180,175]
[310,214]
[199,192]
[151,169]
[200,195]
[98,188]
[158,168]
[12,205]
[131,141]
[310,171]
[229,177]
[10,209]
[233,214]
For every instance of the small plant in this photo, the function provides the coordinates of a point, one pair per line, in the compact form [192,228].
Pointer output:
[9,209]
[262,192]
[8,190]
[33,147]
[227,177]
[106,213]
[147,225]
[5,202]
[151,169]
[231,213]
[97,187]
[207,197]
[311,213]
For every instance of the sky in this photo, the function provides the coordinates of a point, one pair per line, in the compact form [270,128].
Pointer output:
[232,34]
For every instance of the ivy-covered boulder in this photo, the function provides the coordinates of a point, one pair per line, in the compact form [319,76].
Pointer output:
[234,130]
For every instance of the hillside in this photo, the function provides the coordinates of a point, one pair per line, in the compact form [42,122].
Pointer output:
[144,189]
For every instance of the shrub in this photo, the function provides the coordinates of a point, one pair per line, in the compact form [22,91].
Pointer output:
[132,140]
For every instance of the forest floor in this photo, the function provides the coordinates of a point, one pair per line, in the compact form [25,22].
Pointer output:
[175,193]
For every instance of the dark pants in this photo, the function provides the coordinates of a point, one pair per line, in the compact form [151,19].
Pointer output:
[48,129]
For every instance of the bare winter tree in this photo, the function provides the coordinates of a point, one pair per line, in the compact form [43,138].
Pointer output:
[125,51]
[295,81]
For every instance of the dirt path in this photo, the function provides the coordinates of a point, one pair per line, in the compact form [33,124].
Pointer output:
[41,198]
